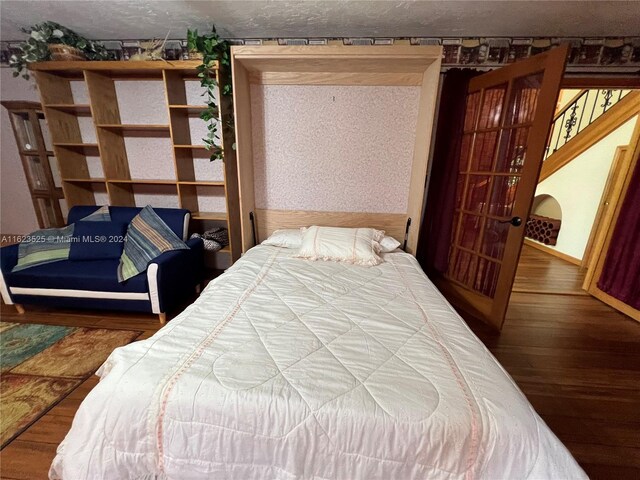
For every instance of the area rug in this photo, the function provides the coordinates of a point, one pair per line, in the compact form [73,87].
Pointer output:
[42,364]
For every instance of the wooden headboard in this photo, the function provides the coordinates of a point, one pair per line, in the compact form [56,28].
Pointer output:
[267,221]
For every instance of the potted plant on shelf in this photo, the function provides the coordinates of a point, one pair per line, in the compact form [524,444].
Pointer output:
[210,48]
[52,41]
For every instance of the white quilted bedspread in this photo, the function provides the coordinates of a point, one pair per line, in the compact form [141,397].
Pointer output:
[292,369]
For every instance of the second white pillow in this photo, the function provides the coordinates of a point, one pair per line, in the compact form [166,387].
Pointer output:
[388,244]
[286,238]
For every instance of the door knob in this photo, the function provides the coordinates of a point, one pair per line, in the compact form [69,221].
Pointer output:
[515,221]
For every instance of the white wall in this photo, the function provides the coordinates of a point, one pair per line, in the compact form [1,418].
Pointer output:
[17,215]
[578,187]
[565,96]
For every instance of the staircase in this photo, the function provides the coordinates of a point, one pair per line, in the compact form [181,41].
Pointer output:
[589,117]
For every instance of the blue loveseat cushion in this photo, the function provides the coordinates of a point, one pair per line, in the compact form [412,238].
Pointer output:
[97,240]
[173,217]
[94,275]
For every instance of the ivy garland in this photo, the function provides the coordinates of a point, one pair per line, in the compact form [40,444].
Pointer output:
[213,49]
[41,35]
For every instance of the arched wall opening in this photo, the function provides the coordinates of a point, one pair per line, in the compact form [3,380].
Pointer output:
[543,225]
[546,206]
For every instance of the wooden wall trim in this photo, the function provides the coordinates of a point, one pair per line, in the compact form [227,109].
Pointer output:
[244,150]
[602,81]
[552,251]
[606,202]
[423,135]
[600,128]
[615,303]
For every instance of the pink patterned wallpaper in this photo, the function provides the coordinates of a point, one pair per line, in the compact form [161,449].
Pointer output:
[333,148]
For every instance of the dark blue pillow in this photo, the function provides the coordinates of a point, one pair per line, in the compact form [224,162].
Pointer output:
[97,240]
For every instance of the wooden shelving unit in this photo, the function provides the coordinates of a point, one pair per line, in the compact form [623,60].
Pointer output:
[54,82]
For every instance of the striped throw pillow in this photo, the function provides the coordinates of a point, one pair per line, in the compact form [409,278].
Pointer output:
[44,246]
[147,237]
[100,215]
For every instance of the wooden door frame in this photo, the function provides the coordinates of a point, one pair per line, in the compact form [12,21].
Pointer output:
[602,239]
[616,175]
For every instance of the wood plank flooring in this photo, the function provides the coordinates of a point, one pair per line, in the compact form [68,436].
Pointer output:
[576,359]
[538,274]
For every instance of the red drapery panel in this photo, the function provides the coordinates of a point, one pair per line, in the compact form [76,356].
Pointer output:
[435,232]
[620,275]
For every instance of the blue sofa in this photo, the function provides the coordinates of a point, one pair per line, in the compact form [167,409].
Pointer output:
[169,281]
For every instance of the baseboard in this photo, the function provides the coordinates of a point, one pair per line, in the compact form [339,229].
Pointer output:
[615,303]
[551,251]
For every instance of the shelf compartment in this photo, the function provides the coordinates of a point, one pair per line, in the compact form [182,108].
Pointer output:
[204,183]
[77,109]
[90,149]
[135,130]
[85,191]
[221,216]
[199,151]
[133,193]
[142,181]
[190,110]
[84,180]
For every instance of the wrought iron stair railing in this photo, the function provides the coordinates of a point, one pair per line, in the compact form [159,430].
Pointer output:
[578,114]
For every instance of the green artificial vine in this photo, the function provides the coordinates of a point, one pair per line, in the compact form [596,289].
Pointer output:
[36,47]
[213,49]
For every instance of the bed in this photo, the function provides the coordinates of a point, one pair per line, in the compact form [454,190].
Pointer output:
[287,368]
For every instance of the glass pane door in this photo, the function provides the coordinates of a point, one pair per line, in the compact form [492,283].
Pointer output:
[508,114]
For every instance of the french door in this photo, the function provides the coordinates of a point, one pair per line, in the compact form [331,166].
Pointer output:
[507,120]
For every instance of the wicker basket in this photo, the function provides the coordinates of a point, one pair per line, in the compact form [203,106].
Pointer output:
[195,55]
[62,52]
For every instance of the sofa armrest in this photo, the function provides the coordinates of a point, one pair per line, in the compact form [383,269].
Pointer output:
[173,276]
[9,257]
[8,260]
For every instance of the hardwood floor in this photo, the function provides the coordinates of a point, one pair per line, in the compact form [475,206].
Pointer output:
[576,359]
[578,362]
[539,272]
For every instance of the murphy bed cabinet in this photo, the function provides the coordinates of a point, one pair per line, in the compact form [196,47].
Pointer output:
[117,186]
[333,66]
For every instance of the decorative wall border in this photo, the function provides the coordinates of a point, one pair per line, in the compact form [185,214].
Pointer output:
[597,55]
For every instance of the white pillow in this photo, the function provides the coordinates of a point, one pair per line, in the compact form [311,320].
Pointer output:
[388,244]
[288,238]
[359,246]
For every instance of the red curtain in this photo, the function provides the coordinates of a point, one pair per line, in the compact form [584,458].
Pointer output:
[435,233]
[620,275]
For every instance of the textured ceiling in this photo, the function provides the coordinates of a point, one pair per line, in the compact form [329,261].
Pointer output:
[116,19]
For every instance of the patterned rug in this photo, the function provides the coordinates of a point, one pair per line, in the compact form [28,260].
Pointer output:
[42,364]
